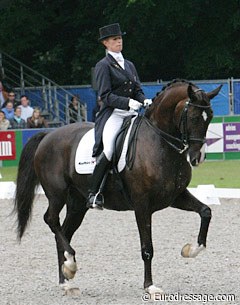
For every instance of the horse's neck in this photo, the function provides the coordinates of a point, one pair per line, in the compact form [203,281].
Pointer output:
[163,114]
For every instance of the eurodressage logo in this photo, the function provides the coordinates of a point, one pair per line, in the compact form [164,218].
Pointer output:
[190,297]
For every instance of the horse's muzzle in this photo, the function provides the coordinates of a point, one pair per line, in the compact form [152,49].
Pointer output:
[197,156]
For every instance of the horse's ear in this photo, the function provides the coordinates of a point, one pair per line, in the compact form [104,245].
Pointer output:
[191,93]
[215,92]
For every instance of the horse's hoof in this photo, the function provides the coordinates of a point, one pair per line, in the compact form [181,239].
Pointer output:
[72,291]
[69,289]
[192,251]
[153,293]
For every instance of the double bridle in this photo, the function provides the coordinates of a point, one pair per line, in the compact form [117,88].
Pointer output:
[181,144]
[183,122]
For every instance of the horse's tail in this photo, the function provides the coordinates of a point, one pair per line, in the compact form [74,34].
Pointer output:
[27,181]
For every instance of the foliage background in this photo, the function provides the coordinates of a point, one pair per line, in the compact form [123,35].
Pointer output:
[166,39]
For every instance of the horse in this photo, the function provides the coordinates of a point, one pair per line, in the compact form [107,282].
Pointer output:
[170,137]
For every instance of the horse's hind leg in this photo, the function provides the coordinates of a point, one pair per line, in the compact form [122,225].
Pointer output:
[57,200]
[76,210]
[186,201]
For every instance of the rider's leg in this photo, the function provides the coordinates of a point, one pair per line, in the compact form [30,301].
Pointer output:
[99,171]
[110,131]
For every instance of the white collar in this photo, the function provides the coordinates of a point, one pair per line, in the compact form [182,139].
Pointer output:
[117,56]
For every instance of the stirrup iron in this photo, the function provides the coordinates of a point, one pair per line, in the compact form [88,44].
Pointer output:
[94,205]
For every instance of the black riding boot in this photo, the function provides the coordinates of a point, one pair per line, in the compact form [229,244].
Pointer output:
[99,171]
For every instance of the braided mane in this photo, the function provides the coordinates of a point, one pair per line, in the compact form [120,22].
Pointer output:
[176,82]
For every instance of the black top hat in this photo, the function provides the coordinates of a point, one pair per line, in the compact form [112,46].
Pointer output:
[110,30]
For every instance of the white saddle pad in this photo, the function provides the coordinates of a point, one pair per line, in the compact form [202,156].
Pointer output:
[85,163]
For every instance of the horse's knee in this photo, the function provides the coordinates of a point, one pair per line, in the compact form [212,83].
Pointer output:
[206,212]
[147,253]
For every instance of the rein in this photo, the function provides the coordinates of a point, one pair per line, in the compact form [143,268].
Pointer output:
[180,145]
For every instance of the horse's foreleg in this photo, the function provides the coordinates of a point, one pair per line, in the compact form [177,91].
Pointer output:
[144,222]
[186,201]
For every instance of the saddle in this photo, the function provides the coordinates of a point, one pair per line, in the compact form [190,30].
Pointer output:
[123,152]
[123,155]
[131,145]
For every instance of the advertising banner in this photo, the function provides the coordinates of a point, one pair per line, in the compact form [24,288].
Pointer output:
[215,138]
[223,137]
[231,137]
[7,145]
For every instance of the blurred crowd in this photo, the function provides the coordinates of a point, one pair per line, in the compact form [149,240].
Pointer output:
[18,114]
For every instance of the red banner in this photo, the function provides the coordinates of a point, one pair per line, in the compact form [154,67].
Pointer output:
[7,145]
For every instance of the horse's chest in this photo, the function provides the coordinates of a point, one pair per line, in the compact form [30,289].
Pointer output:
[175,179]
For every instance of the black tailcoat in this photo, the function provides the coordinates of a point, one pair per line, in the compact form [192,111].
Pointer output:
[115,87]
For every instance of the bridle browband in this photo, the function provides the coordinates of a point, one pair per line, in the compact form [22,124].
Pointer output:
[181,145]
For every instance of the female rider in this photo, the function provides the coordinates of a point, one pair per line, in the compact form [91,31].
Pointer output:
[120,91]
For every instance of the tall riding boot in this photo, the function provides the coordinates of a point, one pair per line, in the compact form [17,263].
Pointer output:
[94,199]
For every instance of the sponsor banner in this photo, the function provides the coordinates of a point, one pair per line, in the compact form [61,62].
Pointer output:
[231,137]
[215,138]
[223,137]
[7,145]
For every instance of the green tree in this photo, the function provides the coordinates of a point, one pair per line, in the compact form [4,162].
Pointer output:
[165,39]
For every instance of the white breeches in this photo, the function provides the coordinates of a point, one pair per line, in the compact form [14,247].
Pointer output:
[111,128]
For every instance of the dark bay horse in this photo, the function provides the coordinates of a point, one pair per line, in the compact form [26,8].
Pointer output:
[169,141]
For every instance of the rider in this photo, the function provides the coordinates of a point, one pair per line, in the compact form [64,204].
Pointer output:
[120,90]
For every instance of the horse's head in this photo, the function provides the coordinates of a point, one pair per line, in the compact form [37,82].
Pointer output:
[193,117]
[181,113]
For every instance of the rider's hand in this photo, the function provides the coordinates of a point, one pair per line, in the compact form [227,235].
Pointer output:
[147,102]
[133,104]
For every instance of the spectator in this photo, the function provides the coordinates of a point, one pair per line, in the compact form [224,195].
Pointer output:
[17,122]
[4,123]
[8,111]
[75,111]
[11,98]
[27,110]
[36,120]
[97,108]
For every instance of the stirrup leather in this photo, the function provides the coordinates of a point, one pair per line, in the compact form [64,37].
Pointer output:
[100,205]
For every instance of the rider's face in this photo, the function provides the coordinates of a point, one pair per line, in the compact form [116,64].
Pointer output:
[114,44]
